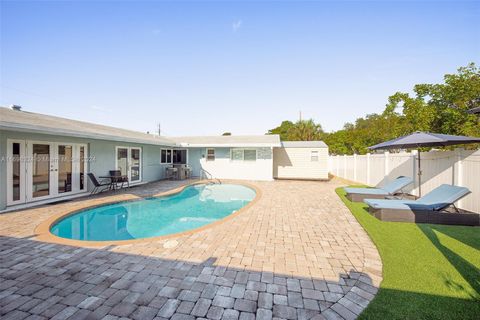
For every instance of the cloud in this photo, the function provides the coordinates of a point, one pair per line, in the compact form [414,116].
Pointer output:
[156,32]
[236,25]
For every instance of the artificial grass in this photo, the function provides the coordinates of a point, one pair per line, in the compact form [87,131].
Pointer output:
[429,271]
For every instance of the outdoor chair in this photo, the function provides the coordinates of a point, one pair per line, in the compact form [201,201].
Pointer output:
[390,189]
[431,208]
[98,185]
[117,177]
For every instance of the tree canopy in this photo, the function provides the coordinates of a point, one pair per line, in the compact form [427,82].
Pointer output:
[438,108]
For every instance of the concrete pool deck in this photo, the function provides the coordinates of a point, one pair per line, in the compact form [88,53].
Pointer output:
[297,253]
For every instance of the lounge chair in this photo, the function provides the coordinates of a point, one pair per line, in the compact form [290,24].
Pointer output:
[394,187]
[431,208]
[98,186]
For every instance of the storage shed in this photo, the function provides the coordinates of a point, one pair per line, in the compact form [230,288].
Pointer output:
[301,160]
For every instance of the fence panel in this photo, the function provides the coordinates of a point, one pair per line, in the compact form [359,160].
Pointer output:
[459,167]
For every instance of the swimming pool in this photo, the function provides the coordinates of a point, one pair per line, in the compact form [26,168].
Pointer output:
[192,208]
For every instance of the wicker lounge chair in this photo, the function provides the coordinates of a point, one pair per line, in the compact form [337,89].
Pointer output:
[394,187]
[430,208]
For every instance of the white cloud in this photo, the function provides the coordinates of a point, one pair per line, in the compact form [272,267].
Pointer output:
[236,25]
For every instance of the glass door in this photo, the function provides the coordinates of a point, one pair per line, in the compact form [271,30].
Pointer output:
[15,172]
[122,160]
[129,162]
[135,165]
[40,168]
[64,168]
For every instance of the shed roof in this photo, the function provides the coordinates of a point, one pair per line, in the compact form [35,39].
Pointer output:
[304,144]
[41,123]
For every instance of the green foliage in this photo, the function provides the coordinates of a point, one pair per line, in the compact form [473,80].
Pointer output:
[282,130]
[302,130]
[226,134]
[438,108]
[429,271]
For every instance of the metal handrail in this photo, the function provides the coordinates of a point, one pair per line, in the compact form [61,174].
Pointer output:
[203,171]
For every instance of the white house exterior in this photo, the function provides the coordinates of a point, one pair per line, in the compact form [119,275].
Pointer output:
[45,158]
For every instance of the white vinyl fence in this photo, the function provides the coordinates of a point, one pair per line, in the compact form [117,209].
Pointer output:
[459,167]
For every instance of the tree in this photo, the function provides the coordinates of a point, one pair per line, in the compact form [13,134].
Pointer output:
[282,130]
[226,134]
[305,130]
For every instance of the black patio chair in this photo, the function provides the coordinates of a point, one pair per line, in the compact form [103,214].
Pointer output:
[98,185]
[118,178]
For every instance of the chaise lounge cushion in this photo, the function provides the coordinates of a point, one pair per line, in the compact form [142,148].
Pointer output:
[388,189]
[435,200]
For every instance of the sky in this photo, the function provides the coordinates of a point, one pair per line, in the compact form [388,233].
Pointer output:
[204,68]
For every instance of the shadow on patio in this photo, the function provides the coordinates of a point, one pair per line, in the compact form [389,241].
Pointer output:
[50,280]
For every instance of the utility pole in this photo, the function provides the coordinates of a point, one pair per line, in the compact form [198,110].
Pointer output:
[159,129]
[300,115]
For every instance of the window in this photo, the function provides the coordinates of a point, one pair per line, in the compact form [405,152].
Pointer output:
[250,155]
[179,156]
[243,155]
[314,156]
[210,154]
[165,156]
[237,154]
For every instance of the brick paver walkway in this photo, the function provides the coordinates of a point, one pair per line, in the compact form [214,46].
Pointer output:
[297,253]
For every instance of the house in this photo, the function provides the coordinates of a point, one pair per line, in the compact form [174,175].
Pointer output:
[45,158]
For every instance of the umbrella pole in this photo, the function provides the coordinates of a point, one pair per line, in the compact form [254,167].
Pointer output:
[419,175]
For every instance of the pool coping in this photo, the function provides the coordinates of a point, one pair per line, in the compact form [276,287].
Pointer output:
[42,230]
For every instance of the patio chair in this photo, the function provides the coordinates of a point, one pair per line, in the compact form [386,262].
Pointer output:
[392,188]
[431,208]
[117,177]
[98,185]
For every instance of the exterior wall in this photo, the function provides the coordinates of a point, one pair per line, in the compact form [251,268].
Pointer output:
[225,168]
[459,167]
[101,152]
[295,163]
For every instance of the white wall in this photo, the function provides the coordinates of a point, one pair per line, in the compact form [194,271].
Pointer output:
[459,167]
[295,163]
[225,168]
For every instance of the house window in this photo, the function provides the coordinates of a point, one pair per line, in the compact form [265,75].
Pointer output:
[250,155]
[314,156]
[210,154]
[243,154]
[165,156]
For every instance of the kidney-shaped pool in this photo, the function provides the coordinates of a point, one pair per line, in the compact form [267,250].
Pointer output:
[195,206]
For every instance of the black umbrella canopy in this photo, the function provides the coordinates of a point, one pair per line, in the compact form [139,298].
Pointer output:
[424,139]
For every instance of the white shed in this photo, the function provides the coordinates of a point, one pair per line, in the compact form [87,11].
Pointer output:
[301,160]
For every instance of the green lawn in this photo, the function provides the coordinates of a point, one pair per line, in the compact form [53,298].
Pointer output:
[429,271]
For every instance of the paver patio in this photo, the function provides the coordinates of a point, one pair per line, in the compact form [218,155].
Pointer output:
[297,253]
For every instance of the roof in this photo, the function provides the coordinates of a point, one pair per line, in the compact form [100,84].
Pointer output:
[272,140]
[41,123]
[304,144]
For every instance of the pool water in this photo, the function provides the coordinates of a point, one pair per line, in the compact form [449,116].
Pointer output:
[194,207]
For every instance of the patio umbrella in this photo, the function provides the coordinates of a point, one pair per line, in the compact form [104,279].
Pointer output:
[420,139]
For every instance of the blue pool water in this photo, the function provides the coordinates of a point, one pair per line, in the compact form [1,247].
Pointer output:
[194,207]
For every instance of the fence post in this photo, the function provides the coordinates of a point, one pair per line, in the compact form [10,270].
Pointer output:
[413,154]
[368,168]
[355,167]
[458,174]
[345,166]
[387,159]
[337,161]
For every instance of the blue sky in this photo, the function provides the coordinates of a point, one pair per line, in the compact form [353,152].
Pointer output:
[208,67]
